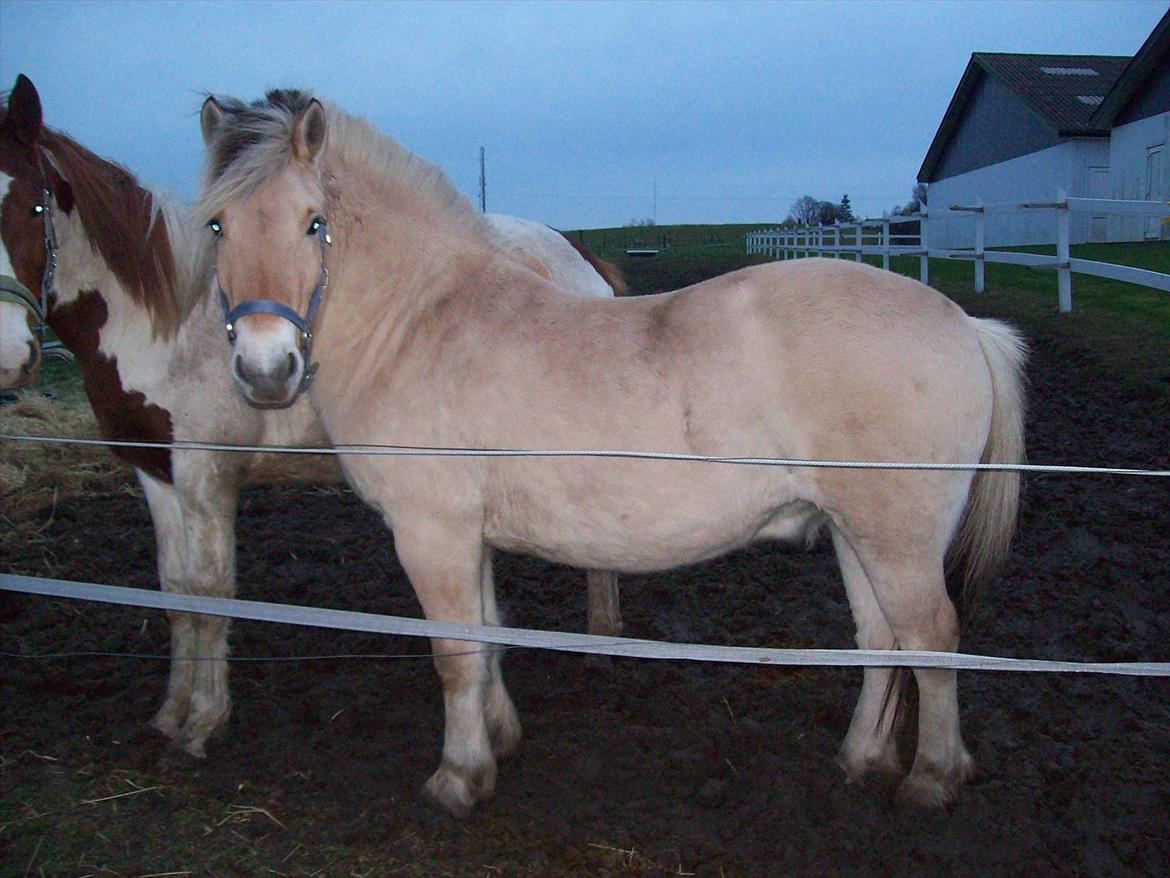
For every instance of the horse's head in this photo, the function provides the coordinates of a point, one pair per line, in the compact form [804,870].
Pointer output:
[265,205]
[26,190]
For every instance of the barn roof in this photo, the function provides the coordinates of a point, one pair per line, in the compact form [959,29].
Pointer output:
[1063,91]
[1145,62]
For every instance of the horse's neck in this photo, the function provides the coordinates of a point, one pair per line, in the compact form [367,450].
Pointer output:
[91,299]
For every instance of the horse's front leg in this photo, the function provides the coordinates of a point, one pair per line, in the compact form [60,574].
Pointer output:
[208,490]
[165,513]
[446,567]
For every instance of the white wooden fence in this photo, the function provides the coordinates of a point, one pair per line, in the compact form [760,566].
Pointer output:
[875,237]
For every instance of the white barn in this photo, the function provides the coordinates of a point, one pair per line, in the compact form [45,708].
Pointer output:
[1020,127]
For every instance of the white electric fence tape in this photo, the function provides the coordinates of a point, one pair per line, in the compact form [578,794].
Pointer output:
[436,451]
[557,640]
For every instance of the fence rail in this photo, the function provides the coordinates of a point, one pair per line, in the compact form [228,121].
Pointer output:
[370,623]
[873,237]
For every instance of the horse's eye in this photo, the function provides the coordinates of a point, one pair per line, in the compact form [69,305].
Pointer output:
[315,225]
[38,209]
[215,227]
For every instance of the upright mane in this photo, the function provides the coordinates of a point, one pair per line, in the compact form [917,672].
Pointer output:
[254,143]
[156,262]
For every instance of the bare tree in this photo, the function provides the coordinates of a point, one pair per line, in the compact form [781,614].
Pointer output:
[806,210]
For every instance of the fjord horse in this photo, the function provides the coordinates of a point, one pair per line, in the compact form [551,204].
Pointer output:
[129,299]
[428,336]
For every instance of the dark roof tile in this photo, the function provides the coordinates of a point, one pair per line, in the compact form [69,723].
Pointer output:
[1063,90]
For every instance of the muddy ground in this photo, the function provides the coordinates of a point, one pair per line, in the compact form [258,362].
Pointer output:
[648,768]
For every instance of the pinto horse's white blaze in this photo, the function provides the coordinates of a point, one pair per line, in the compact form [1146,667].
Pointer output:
[20,350]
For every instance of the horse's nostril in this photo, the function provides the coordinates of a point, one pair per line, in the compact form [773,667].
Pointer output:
[292,364]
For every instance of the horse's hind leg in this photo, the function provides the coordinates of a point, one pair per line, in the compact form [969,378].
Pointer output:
[604,609]
[502,722]
[445,565]
[909,585]
[870,744]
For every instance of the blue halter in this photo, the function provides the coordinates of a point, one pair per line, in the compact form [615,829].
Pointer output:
[267,306]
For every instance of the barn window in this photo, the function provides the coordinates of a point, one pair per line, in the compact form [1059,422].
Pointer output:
[1070,71]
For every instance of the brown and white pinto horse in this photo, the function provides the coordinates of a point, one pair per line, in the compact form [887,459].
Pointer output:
[428,337]
[20,308]
[129,299]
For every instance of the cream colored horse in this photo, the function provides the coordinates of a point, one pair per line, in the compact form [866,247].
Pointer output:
[128,298]
[427,335]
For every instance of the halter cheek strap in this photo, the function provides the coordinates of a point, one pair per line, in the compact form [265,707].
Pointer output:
[268,306]
[12,290]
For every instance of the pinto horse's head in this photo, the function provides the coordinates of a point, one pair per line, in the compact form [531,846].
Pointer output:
[265,205]
[23,250]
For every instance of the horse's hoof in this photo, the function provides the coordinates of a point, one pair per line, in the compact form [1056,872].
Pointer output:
[858,768]
[932,788]
[456,792]
[505,734]
[165,725]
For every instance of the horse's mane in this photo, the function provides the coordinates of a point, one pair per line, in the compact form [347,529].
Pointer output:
[254,143]
[156,262]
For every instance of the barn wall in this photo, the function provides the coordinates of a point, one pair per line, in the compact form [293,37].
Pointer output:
[1033,177]
[1135,149]
[995,126]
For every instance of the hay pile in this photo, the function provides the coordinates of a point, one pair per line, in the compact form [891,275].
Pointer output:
[34,475]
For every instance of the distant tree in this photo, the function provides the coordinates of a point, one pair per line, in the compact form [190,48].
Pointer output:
[806,210]
[845,211]
[826,213]
[915,204]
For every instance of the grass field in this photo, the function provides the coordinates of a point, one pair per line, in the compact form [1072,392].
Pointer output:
[1128,325]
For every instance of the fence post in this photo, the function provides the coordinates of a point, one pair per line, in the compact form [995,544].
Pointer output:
[1063,267]
[886,243]
[859,242]
[979,245]
[836,239]
[924,259]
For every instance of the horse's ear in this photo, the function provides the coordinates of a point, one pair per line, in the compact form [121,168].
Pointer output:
[210,118]
[309,133]
[24,111]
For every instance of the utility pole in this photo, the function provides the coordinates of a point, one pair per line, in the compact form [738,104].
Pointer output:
[482,184]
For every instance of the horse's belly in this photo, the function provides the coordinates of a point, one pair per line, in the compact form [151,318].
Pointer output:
[651,524]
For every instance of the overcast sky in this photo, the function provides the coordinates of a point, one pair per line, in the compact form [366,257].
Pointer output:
[726,112]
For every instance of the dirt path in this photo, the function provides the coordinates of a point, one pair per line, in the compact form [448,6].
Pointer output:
[653,769]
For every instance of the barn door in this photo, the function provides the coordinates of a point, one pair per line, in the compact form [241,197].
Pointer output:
[1155,186]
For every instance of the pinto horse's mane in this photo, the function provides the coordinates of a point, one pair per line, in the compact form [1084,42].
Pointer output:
[139,235]
[254,143]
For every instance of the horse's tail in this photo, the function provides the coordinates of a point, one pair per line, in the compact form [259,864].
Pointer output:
[990,518]
[609,272]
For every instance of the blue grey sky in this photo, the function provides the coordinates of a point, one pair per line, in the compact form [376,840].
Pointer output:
[591,114]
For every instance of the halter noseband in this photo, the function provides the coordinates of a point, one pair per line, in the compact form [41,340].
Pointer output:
[268,306]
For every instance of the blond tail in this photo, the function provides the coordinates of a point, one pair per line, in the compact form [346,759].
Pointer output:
[990,519]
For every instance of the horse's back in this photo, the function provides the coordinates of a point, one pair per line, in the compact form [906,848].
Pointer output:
[567,268]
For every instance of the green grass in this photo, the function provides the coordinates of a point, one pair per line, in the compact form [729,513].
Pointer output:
[1127,327]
